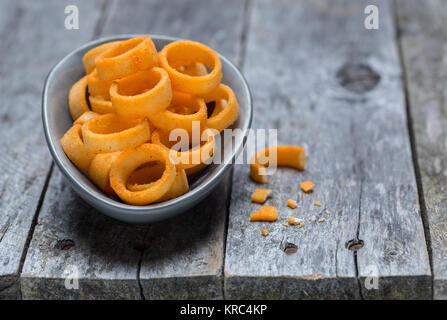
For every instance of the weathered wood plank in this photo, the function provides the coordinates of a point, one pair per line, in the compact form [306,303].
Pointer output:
[179,258]
[423,26]
[32,38]
[333,87]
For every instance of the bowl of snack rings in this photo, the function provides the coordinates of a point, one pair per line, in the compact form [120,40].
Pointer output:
[135,123]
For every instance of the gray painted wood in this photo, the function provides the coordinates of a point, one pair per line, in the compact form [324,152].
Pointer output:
[32,39]
[423,36]
[179,258]
[313,68]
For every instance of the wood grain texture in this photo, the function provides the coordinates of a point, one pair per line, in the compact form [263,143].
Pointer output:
[179,258]
[332,86]
[423,26]
[32,39]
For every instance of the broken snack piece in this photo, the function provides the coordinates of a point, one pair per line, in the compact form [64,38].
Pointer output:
[266,213]
[307,186]
[260,195]
[295,221]
[289,156]
[317,203]
[264,232]
[292,204]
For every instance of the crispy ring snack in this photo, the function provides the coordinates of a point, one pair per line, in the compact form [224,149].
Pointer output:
[289,156]
[195,169]
[89,58]
[86,117]
[183,53]
[109,132]
[100,105]
[143,178]
[130,160]
[223,117]
[194,157]
[77,101]
[100,169]
[98,87]
[126,58]
[173,117]
[73,146]
[142,94]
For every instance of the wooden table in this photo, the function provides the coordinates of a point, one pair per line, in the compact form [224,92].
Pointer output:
[368,105]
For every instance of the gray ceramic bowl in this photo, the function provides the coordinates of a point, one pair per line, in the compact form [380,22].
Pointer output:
[57,120]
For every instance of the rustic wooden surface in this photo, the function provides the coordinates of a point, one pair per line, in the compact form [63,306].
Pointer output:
[302,60]
[32,40]
[423,28]
[185,257]
[359,158]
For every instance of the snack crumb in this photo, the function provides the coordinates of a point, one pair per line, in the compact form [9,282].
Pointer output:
[284,224]
[292,204]
[295,221]
[261,195]
[307,186]
[264,232]
[318,204]
[266,213]
[328,212]
[321,220]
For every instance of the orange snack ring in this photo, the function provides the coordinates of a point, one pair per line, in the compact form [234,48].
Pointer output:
[153,173]
[100,105]
[126,58]
[86,117]
[100,169]
[289,156]
[73,147]
[142,94]
[89,58]
[185,52]
[110,132]
[266,213]
[187,159]
[98,87]
[223,117]
[77,101]
[168,120]
[128,161]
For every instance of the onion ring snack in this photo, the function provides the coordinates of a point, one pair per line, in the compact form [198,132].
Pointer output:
[100,168]
[89,58]
[98,87]
[171,119]
[77,101]
[191,158]
[223,117]
[109,132]
[184,53]
[73,146]
[130,160]
[101,105]
[142,94]
[288,156]
[126,58]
